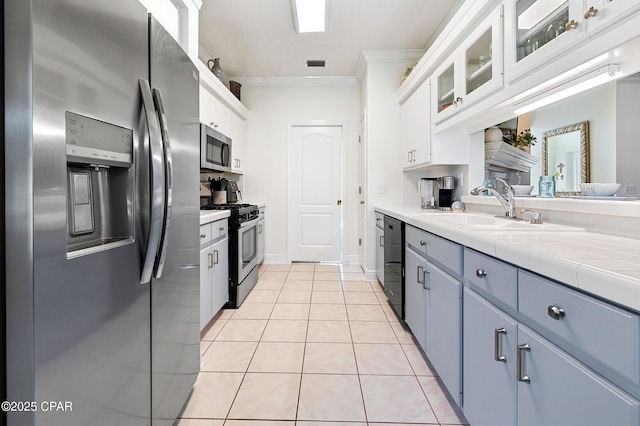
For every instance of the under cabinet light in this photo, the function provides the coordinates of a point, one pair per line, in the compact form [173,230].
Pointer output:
[309,15]
[593,79]
[573,73]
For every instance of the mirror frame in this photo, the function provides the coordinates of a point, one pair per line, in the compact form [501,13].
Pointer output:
[583,128]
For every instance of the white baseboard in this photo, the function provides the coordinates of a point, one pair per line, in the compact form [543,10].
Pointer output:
[276,258]
[353,259]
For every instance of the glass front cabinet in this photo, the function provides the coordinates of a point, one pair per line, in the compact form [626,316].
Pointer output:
[538,30]
[473,71]
[602,14]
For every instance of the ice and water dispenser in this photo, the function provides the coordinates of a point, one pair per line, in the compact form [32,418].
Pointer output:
[100,184]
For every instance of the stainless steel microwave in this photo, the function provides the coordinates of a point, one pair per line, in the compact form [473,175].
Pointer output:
[215,150]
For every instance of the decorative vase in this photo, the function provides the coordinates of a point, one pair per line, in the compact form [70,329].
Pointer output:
[216,69]
[493,134]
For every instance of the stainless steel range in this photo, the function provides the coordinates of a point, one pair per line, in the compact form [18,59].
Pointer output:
[243,249]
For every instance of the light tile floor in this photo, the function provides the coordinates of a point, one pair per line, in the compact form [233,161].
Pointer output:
[316,345]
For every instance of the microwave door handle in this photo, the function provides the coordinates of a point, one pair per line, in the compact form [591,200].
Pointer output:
[225,160]
[156,168]
[164,243]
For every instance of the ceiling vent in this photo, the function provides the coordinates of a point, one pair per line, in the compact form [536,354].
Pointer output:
[316,63]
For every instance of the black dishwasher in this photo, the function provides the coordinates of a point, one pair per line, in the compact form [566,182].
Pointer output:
[394,264]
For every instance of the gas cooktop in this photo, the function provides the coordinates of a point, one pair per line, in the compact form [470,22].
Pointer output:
[225,206]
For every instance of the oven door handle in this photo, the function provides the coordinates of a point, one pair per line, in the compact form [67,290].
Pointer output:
[249,223]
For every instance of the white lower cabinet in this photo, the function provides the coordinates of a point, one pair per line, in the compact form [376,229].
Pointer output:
[214,270]
[514,376]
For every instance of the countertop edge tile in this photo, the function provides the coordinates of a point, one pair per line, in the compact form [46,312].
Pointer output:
[208,216]
[543,253]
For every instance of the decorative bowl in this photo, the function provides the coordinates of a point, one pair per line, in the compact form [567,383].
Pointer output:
[522,189]
[599,189]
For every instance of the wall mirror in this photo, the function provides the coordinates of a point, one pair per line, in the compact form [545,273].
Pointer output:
[565,154]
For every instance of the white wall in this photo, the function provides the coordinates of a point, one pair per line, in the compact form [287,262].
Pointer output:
[180,18]
[596,106]
[271,109]
[378,84]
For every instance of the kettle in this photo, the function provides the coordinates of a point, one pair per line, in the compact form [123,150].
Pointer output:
[426,189]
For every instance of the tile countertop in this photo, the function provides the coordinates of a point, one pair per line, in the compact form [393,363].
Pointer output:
[208,216]
[604,265]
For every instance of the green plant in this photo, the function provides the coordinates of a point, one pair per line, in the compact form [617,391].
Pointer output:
[524,139]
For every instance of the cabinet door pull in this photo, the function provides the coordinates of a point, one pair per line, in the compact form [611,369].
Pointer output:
[408,156]
[571,25]
[210,256]
[420,275]
[520,367]
[215,257]
[590,13]
[481,273]
[381,242]
[425,280]
[497,344]
[555,312]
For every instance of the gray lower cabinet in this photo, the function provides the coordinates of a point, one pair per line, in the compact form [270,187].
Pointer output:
[559,390]
[489,363]
[415,303]
[514,376]
[433,305]
[444,327]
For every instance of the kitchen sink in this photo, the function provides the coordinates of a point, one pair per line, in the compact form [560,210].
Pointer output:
[475,221]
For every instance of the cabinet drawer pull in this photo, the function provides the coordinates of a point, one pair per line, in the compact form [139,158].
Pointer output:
[210,256]
[221,229]
[497,344]
[571,25]
[520,367]
[423,243]
[481,273]
[203,236]
[555,312]
[590,13]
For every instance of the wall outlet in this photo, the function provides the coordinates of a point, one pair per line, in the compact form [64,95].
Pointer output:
[631,190]
[383,188]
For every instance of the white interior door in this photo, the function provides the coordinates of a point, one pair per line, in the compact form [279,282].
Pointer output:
[315,201]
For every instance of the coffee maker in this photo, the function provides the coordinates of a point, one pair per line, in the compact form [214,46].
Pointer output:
[426,189]
[444,192]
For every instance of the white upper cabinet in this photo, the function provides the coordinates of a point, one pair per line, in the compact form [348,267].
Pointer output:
[415,127]
[536,31]
[222,111]
[473,71]
[600,15]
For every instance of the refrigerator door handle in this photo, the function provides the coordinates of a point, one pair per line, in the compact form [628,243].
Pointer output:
[168,164]
[156,167]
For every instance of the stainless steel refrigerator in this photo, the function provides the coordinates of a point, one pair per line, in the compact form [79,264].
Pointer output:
[101,214]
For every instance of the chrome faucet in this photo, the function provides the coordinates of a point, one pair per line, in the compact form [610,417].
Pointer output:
[507,199]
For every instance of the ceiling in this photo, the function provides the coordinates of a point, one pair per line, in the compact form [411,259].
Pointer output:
[256,38]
